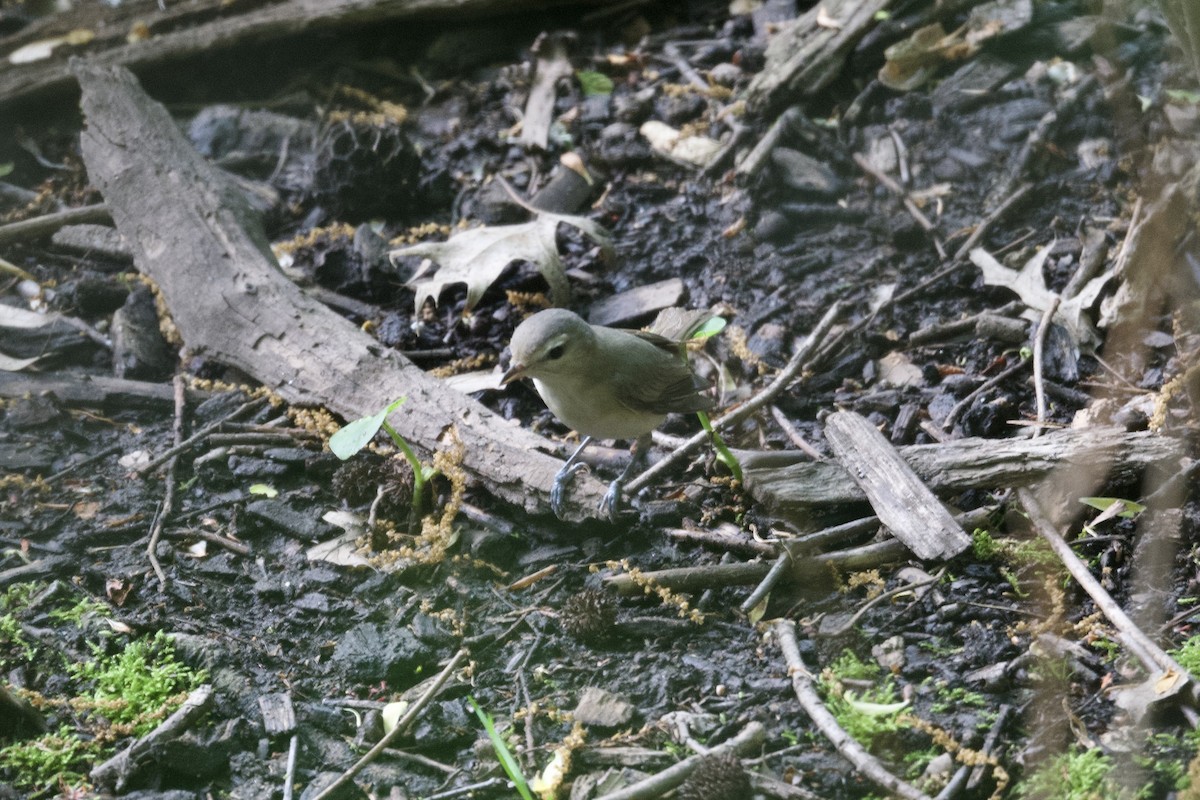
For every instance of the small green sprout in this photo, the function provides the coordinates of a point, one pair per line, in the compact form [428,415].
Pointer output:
[358,434]
[506,757]
[594,83]
[710,328]
[1073,776]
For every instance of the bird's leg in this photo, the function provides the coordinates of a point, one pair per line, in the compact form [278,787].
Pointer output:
[564,476]
[610,504]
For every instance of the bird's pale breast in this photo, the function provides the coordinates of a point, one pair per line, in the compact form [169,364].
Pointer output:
[579,405]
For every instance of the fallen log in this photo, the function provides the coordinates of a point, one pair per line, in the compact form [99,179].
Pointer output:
[194,234]
[966,464]
[903,503]
[199,32]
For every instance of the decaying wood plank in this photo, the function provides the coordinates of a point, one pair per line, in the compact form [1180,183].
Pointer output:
[195,235]
[969,464]
[257,27]
[93,391]
[807,56]
[901,501]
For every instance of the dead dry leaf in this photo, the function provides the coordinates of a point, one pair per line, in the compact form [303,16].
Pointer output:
[1030,285]
[342,550]
[478,256]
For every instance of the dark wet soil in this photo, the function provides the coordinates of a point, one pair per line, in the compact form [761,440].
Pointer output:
[771,252]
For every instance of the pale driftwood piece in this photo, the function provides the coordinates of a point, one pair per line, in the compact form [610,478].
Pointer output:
[278,715]
[747,741]
[642,301]
[195,235]
[808,55]
[47,224]
[902,502]
[116,772]
[968,464]
[254,28]
[715,576]
[94,391]
[92,240]
[810,700]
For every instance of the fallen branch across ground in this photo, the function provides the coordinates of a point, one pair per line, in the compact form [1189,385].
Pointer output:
[195,236]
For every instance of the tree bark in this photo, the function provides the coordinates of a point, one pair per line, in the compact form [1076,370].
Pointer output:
[257,27]
[193,233]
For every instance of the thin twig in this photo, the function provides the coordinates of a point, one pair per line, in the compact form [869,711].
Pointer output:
[750,738]
[965,403]
[92,459]
[1135,225]
[289,778]
[49,223]
[199,435]
[991,219]
[1111,370]
[810,700]
[778,570]
[168,504]
[671,51]
[1039,349]
[989,743]
[914,211]
[402,725]
[793,434]
[956,263]
[1153,657]
[757,157]
[767,395]
[879,598]
[232,545]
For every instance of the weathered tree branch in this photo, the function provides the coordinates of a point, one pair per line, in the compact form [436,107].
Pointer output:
[195,236]
[260,26]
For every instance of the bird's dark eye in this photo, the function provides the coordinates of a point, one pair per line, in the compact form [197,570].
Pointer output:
[555,352]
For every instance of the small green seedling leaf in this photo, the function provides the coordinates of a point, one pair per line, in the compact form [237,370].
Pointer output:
[264,489]
[1180,96]
[874,709]
[356,435]
[759,611]
[507,759]
[711,328]
[6,168]
[594,83]
[1113,507]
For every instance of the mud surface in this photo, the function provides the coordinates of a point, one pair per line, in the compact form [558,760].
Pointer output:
[1001,643]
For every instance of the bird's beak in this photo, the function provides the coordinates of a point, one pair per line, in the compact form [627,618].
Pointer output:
[516,371]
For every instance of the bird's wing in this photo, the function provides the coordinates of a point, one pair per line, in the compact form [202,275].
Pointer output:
[672,389]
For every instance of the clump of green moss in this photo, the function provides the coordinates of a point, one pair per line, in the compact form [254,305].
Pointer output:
[126,693]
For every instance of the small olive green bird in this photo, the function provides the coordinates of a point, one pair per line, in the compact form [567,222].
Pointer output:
[608,383]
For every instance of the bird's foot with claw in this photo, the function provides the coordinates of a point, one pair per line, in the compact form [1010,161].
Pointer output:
[610,504]
[558,492]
